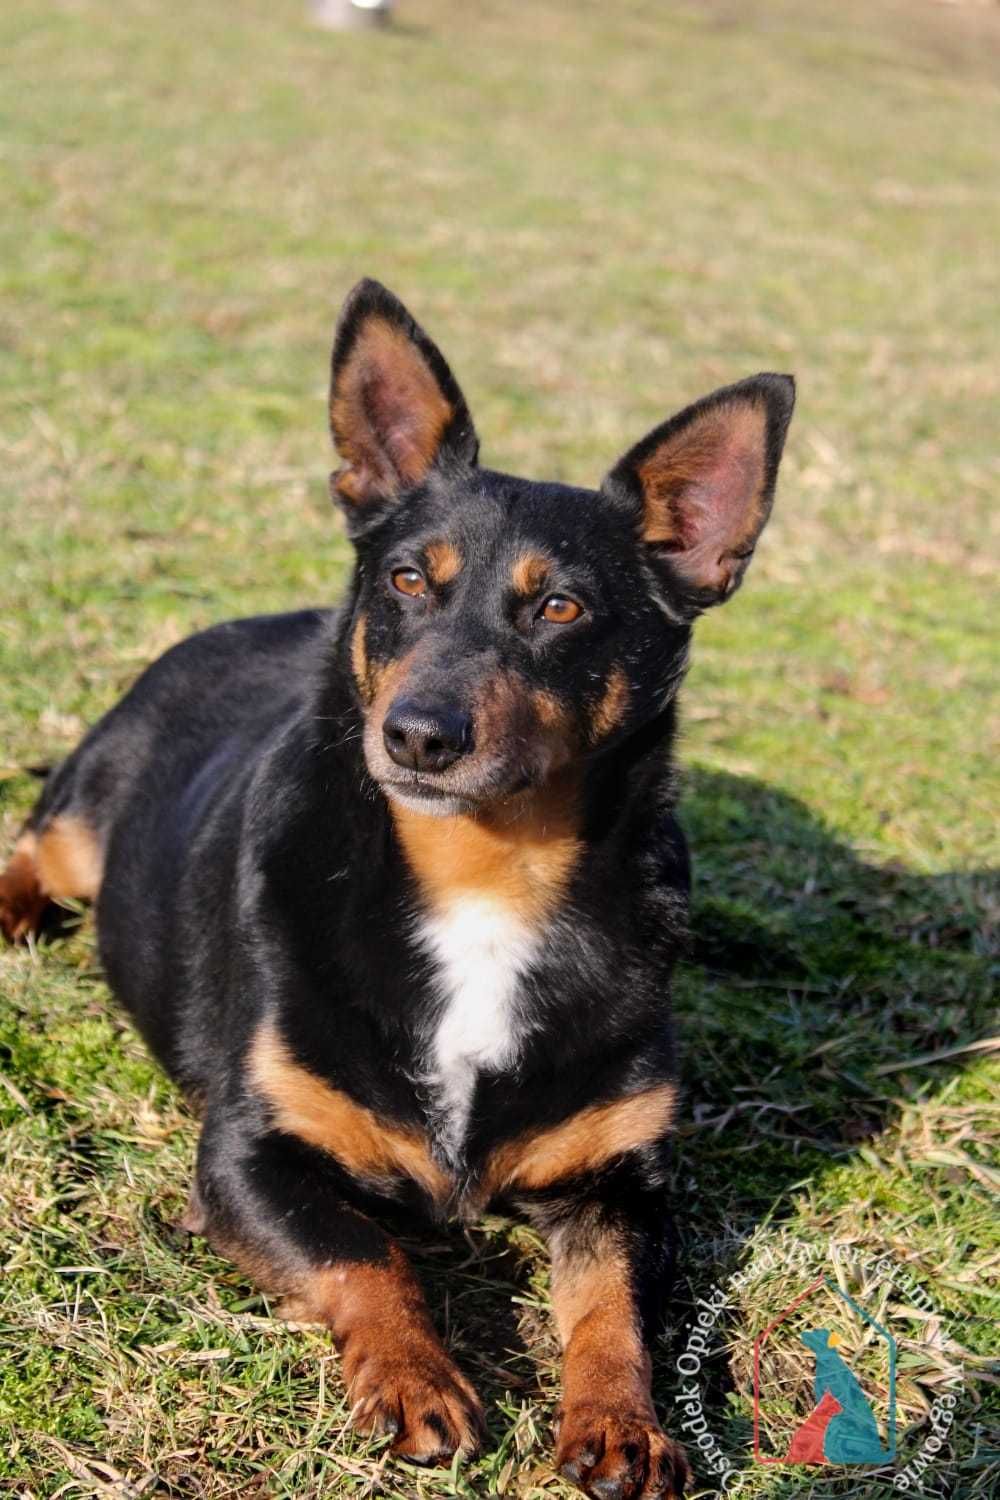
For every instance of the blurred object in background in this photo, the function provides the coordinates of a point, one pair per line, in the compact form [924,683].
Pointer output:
[350,15]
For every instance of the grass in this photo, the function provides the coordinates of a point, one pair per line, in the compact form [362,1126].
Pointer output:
[602,211]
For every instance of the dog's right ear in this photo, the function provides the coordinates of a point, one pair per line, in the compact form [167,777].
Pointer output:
[700,487]
[396,411]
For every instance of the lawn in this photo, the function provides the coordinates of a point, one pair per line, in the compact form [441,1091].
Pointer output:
[601,211]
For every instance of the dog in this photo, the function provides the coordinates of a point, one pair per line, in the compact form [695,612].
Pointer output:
[394,890]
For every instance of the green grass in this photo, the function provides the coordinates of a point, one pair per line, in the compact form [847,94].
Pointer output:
[601,211]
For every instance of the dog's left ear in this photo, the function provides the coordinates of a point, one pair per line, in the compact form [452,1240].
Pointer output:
[701,485]
[396,411]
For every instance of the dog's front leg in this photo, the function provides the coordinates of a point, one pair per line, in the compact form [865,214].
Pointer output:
[276,1207]
[605,1262]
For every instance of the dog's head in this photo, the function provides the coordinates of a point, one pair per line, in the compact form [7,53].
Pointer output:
[503,629]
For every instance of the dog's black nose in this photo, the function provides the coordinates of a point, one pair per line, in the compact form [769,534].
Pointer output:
[425,739]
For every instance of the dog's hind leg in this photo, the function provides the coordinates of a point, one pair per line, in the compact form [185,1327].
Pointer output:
[60,859]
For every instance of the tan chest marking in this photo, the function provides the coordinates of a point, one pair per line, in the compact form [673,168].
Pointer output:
[584,1143]
[307,1107]
[518,859]
[488,886]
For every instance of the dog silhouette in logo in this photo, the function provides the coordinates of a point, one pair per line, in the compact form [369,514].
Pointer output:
[841,1428]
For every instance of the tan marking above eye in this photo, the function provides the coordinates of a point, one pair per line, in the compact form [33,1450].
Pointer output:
[409,581]
[559,610]
[444,561]
[530,573]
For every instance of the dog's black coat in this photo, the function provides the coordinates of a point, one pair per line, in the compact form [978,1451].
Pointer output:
[250,865]
[253,870]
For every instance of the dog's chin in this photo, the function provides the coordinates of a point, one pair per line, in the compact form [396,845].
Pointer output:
[425,799]
[424,795]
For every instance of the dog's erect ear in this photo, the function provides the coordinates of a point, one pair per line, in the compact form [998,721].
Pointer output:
[395,408]
[701,486]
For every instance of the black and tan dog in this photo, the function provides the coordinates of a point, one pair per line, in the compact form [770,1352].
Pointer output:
[394,890]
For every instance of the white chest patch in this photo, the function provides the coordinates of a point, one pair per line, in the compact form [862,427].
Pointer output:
[480,949]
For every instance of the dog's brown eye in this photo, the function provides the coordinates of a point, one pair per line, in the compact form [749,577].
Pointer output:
[409,581]
[560,611]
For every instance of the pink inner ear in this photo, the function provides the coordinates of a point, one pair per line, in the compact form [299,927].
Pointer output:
[388,414]
[704,490]
[408,446]
[712,511]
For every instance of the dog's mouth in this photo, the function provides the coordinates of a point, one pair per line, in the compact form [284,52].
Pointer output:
[426,794]
[429,799]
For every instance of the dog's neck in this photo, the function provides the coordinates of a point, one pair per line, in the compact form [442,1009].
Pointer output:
[520,852]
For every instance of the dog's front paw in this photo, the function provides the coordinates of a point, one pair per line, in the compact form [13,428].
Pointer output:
[615,1453]
[419,1397]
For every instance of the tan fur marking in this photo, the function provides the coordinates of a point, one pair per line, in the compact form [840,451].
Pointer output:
[22,900]
[384,678]
[607,1409]
[394,1364]
[307,1107]
[384,365]
[530,573]
[605,1365]
[359,657]
[382,1303]
[583,1143]
[444,561]
[69,859]
[62,862]
[551,713]
[26,847]
[610,711]
[593,1282]
[522,856]
[521,851]
[684,461]
[532,719]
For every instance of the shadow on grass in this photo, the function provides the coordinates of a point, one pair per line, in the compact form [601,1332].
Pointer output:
[817,986]
[822,996]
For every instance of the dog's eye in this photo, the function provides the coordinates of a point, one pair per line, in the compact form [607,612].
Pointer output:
[409,581]
[560,611]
